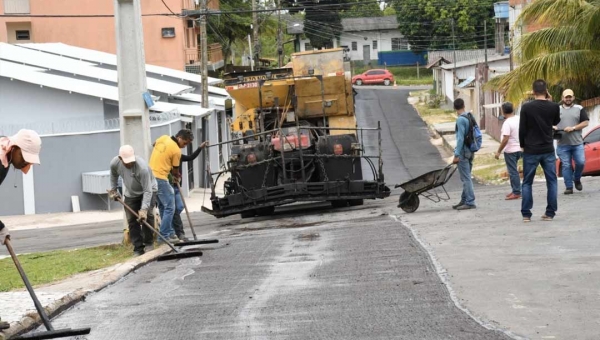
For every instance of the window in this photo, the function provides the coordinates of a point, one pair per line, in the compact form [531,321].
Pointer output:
[374,44]
[593,137]
[168,32]
[190,23]
[23,35]
[399,44]
[354,46]
[308,47]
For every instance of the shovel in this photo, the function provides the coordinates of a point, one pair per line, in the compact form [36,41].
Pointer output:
[51,333]
[176,254]
[196,241]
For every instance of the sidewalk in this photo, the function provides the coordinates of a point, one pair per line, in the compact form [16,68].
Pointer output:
[197,199]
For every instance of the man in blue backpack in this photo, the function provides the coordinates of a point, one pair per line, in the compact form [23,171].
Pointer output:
[463,156]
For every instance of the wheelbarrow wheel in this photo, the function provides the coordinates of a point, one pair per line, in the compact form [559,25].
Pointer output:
[409,202]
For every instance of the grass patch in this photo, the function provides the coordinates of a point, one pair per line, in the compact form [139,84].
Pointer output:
[47,267]
[432,115]
[489,170]
[404,75]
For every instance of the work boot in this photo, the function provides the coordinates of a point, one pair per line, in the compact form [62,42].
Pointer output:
[569,191]
[4,325]
[578,185]
[457,205]
[182,238]
[173,239]
[466,207]
[138,253]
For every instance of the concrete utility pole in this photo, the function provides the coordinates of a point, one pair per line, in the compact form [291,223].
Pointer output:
[204,48]
[454,57]
[131,67]
[255,35]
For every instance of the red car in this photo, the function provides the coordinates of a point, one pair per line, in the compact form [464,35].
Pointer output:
[375,76]
[591,144]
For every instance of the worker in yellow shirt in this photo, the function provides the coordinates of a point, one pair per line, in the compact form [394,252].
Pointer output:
[165,160]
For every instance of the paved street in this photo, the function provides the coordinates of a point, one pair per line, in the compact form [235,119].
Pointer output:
[353,273]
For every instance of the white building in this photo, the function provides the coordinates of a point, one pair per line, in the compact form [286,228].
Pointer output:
[70,96]
[365,37]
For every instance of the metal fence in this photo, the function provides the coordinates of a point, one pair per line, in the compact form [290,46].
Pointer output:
[80,125]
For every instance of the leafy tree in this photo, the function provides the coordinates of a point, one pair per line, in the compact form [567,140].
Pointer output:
[427,24]
[565,52]
[389,10]
[361,10]
[322,21]
[230,28]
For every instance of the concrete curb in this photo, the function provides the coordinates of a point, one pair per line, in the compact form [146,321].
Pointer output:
[108,276]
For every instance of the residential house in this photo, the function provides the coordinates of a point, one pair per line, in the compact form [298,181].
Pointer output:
[463,80]
[169,41]
[76,111]
[363,38]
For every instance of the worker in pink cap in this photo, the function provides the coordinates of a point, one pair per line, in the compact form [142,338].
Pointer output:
[21,150]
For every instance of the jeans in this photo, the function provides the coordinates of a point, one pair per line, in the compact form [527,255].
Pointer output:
[139,234]
[530,164]
[177,222]
[568,154]
[166,200]
[511,160]
[465,165]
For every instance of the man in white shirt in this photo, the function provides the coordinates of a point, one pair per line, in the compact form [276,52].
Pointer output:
[512,149]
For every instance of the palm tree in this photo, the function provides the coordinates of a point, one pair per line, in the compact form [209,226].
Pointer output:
[566,52]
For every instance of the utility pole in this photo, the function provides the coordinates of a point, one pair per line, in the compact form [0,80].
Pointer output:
[279,37]
[251,55]
[131,67]
[485,48]
[204,48]
[255,35]
[453,57]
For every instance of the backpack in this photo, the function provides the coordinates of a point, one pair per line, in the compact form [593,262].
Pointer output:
[474,137]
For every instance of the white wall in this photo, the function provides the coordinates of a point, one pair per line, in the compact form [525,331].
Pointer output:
[25,103]
[383,38]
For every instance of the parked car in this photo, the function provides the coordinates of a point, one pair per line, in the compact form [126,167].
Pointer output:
[591,144]
[375,76]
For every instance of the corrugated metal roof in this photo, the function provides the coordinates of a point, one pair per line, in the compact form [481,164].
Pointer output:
[474,62]
[37,76]
[77,67]
[197,98]
[111,59]
[389,22]
[186,110]
[466,82]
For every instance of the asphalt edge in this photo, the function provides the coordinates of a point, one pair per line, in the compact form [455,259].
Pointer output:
[33,320]
[442,273]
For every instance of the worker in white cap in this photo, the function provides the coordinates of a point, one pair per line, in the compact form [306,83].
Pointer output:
[570,149]
[139,189]
[21,150]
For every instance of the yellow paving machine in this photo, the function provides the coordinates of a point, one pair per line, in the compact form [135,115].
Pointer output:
[294,137]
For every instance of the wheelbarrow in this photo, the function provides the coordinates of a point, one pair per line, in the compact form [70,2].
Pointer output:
[425,185]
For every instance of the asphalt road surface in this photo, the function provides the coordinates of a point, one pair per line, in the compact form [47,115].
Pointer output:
[351,273]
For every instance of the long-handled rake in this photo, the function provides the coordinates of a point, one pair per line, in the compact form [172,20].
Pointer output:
[51,333]
[196,241]
[176,254]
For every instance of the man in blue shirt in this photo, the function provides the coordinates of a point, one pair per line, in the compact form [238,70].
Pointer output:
[463,157]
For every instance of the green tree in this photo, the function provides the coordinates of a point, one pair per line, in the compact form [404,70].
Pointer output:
[389,10]
[322,21]
[230,28]
[566,52]
[361,10]
[427,24]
